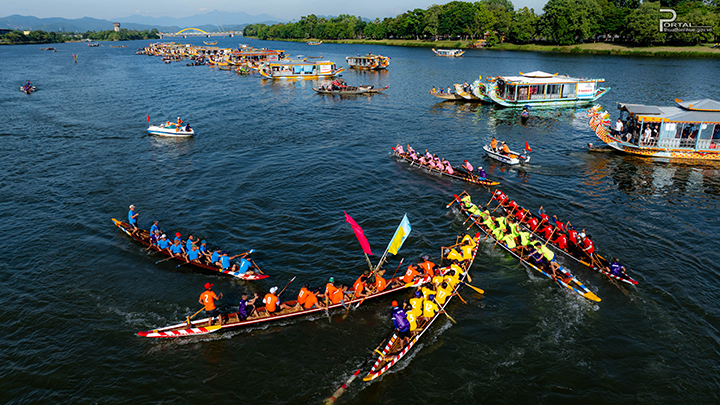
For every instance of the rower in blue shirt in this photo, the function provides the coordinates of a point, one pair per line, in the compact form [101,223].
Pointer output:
[215,258]
[243,267]
[163,243]
[204,250]
[177,249]
[193,254]
[154,227]
[189,243]
[224,260]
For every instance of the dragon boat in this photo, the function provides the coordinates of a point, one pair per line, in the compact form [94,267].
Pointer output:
[599,263]
[350,90]
[464,176]
[204,326]
[390,354]
[142,236]
[566,280]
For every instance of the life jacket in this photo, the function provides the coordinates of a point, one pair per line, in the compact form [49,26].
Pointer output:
[510,241]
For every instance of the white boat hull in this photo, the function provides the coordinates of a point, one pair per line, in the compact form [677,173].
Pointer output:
[506,159]
[170,132]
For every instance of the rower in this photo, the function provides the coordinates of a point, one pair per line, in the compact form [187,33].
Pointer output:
[427,266]
[467,250]
[467,166]
[500,197]
[532,223]
[246,307]
[215,257]
[573,236]
[380,282]
[164,244]
[132,219]
[616,269]
[430,308]
[452,254]
[509,241]
[511,206]
[189,243]
[412,315]
[242,268]
[204,250]
[329,288]
[271,302]
[359,285]
[338,296]
[401,324]
[588,247]
[493,144]
[177,249]
[154,238]
[154,227]
[481,174]
[560,226]
[208,299]
[193,254]
[452,277]
[399,149]
[543,216]
[417,302]
[410,274]
[560,241]
[546,231]
[437,280]
[224,260]
[444,292]
[302,295]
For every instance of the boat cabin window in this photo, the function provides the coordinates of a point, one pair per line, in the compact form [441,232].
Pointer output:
[709,137]
[537,91]
[687,134]
[568,90]
[553,91]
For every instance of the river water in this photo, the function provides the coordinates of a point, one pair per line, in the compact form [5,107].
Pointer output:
[273,167]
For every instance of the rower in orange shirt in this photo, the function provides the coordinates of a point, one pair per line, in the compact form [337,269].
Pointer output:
[272,302]
[410,274]
[427,266]
[311,300]
[338,296]
[207,299]
[302,295]
[359,287]
[380,282]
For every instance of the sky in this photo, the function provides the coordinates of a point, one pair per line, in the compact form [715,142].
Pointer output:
[283,9]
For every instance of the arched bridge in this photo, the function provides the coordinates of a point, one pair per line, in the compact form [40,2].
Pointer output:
[197,32]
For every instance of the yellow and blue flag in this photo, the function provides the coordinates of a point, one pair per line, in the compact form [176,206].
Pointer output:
[401,234]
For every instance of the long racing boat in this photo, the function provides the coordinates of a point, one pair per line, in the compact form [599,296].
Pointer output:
[598,263]
[204,326]
[391,353]
[142,236]
[567,280]
[464,176]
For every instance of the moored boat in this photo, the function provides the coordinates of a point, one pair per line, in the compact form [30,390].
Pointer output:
[512,158]
[171,130]
[210,43]
[445,96]
[301,70]
[203,326]
[449,53]
[142,236]
[313,42]
[349,90]
[565,280]
[457,174]
[690,130]
[541,90]
[392,352]
[369,62]
[465,92]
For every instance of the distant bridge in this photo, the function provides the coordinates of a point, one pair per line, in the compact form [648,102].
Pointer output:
[197,32]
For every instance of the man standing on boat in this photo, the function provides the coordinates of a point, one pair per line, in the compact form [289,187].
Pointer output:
[401,324]
[207,299]
[132,219]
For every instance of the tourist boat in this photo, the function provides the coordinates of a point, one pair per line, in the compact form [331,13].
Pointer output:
[143,237]
[48,49]
[690,130]
[210,43]
[350,90]
[464,176]
[171,130]
[480,90]
[94,44]
[301,70]
[599,264]
[540,90]
[513,158]
[202,326]
[567,280]
[449,53]
[390,355]
[369,61]
[313,42]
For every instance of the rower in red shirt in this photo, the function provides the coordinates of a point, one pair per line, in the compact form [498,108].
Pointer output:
[546,231]
[500,197]
[520,215]
[543,216]
[532,223]
[561,241]
[558,224]
[511,206]
[587,246]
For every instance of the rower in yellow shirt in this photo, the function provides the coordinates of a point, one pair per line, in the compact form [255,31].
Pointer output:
[443,293]
[417,302]
[430,308]
[426,292]
[467,239]
[452,278]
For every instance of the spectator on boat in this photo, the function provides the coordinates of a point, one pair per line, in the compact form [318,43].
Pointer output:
[246,307]
[618,127]
[448,90]
[647,135]
[401,324]
[207,299]
[433,91]
[616,269]
[505,149]
[132,219]
[272,302]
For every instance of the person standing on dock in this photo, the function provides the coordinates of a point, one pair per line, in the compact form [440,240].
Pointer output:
[207,299]
[132,219]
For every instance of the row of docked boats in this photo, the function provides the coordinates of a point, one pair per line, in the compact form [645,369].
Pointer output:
[534,89]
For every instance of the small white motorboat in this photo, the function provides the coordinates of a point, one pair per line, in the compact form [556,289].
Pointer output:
[171,130]
[513,158]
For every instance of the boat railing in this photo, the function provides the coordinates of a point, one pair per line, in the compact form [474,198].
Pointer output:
[677,143]
[649,142]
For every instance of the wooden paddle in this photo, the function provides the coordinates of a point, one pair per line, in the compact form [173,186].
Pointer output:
[398,268]
[444,312]
[256,266]
[459,296]
[163,260]
[479,290]
[286,286]
[193,316]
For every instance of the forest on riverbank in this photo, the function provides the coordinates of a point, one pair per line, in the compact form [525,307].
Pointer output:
[42,37]
[562,22]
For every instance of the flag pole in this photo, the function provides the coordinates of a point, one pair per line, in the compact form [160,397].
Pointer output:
[368,260]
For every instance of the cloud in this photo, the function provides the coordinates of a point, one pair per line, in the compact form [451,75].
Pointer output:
[205,9]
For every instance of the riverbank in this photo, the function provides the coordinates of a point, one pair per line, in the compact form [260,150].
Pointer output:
[601,48]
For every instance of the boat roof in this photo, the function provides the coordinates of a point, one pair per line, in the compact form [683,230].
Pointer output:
[540,77]
[702,110]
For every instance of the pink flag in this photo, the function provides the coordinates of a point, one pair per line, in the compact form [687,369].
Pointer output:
[359,233]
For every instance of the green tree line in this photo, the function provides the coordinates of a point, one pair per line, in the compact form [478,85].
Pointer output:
[42,37]
[562,22]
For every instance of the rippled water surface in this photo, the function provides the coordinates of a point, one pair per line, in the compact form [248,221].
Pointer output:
[272,168]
